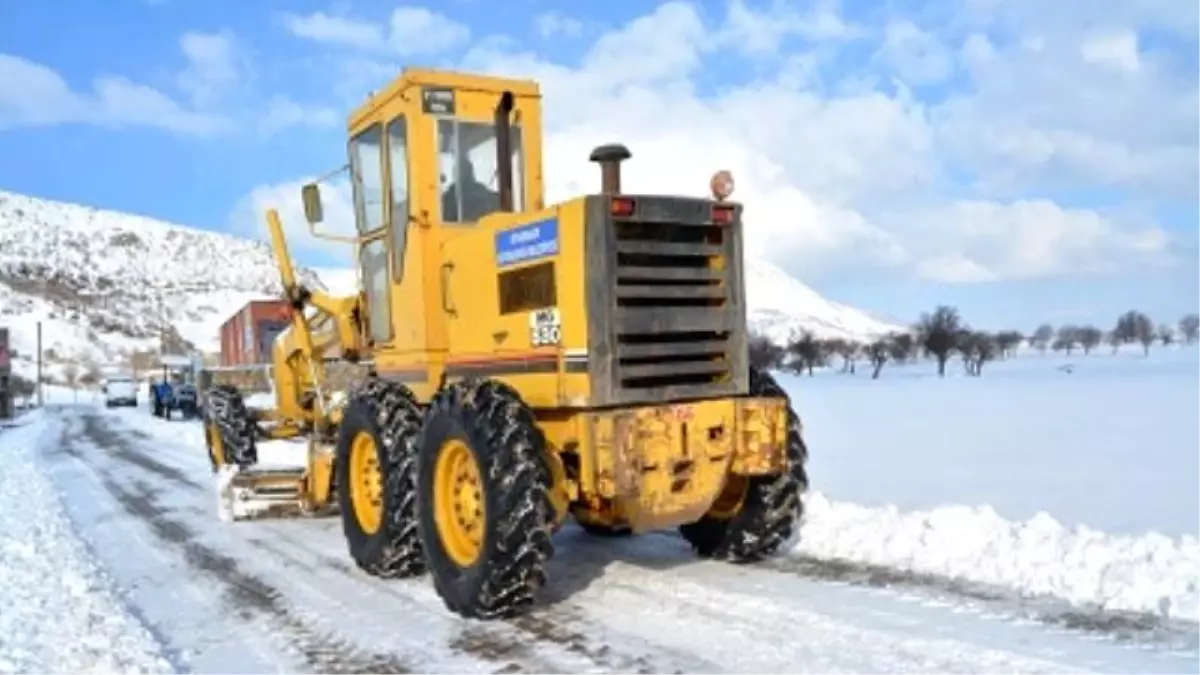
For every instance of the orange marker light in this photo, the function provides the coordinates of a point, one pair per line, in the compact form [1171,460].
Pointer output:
[621,207]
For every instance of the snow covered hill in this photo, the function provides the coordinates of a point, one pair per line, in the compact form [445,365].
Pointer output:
[779,305]
[106,284]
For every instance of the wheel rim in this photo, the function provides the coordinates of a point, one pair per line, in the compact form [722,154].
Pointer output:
[216,446]
[366,482]
[458,502]
[730,501]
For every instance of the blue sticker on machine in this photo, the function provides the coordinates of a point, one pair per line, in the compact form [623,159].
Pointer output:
[527,242]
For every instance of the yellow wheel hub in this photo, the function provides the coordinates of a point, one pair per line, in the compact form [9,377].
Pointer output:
[216,446]
[458,502]
[366,483]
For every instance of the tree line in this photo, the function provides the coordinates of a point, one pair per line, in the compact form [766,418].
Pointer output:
[942,334]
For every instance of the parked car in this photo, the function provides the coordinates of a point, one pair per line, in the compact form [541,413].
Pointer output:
[120,390]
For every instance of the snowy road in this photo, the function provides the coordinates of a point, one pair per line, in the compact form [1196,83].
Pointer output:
[275,596]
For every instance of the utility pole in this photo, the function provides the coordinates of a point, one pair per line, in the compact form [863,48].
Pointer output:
[41,401]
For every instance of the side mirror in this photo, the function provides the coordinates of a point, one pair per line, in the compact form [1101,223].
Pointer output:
[310,194]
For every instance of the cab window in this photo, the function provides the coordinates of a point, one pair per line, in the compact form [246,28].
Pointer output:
[398,155]
[366,175]
[469,179]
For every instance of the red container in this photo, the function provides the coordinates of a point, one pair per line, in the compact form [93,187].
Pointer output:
[247,336]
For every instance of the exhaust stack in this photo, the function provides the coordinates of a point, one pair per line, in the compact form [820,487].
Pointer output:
[504,169]
[609,157]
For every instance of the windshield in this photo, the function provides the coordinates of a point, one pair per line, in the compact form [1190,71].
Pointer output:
[469,179]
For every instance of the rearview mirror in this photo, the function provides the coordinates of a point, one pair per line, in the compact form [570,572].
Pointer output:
[310,194]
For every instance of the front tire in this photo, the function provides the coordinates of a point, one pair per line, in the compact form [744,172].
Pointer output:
[375,474]
[766,510]
[484,494]
[228,428]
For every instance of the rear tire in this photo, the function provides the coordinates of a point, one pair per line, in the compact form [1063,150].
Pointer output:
[771,509]
[387,414]
[227,421]
[512,531]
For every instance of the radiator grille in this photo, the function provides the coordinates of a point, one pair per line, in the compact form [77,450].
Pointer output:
[675,306]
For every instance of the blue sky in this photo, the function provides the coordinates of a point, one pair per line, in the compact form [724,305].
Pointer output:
[1023,161]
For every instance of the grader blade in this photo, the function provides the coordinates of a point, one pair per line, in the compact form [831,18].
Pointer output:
[260,492]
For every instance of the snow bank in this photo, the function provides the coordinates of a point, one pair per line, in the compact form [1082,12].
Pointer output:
[59,615]
[1141,573]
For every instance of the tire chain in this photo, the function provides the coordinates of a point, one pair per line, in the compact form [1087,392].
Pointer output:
[517,470]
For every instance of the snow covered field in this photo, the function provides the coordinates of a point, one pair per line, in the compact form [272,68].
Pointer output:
[1028,520]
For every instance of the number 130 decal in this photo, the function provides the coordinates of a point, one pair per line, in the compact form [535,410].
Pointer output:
[545,327]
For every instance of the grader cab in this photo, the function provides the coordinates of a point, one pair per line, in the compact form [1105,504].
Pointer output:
[527,362]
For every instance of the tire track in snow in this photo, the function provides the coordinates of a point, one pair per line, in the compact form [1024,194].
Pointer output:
[245,595]
[1125,627]
[552,641]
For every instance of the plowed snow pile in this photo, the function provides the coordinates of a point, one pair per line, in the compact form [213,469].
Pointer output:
[1144,573]
[57,613]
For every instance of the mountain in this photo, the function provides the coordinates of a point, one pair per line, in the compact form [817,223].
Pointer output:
[107,285]
[779,305]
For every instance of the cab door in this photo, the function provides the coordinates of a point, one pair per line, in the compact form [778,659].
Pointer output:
[368,172]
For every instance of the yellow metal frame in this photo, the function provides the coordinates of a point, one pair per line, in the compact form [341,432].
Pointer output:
[647,467]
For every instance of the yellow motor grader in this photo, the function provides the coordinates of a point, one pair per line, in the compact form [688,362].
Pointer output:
[525,362]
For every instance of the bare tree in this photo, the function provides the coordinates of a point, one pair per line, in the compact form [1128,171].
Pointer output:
[1007,342]
[878,353]
[765,354]
[805,350]
[1041,337]
[1135,326]
[1114,340]
[1143,331]
[1189,326]
[22,388]
[977,348]
[142,361]
[1166,335]
[91,375]
[1089,337]
[939,334]
[847,349]
[71,375]
[1066,339]
[901,346]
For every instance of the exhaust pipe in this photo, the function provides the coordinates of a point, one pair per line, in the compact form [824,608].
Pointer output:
[504,169]
[609,157]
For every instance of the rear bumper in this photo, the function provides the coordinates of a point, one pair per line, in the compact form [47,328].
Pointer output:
[667,464]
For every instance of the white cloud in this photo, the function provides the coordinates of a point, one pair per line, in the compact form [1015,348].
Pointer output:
[32,94]
[916,55]
[335,30]
[282,113]
[556,25]
[1113,49]
[249,217]
[416,31]
[212,66]
[410,31]
[843,169]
